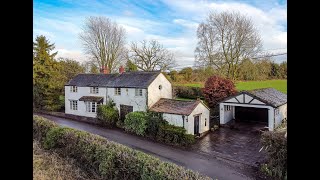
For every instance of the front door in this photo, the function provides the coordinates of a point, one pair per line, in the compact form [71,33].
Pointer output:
[124,110]
[196,124]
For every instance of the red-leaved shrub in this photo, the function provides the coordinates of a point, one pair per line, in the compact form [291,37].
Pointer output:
[216,89]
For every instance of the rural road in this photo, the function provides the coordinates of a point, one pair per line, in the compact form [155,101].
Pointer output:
[210,166]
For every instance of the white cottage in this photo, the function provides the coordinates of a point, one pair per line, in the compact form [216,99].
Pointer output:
[267,106]
[192,115]
[130,91]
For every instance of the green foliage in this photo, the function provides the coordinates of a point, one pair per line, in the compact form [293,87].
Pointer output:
[69,68]
[283,70]
[105,159]
[187,73]
[47,81]
[174,75]
[41,126]
[136,122]
[155,120]
[130,66]
[188,92]
[108,114]
[171,134]
[275,144]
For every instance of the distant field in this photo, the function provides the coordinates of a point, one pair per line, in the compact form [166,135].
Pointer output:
[280,85]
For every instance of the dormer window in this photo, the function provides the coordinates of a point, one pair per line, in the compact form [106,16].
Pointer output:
[94,90]
[73,89]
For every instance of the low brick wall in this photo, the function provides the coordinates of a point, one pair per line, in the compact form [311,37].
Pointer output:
[89,120]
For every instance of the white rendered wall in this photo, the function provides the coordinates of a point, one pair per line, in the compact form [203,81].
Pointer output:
[174,119]
[204,113]
[82,91]
[129,98]
[154,93]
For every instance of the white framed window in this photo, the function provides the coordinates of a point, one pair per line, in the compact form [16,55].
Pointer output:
[227,108]
[73,105]
[138,92]
[91,106]
[73,89]
[94,90]
[117,91]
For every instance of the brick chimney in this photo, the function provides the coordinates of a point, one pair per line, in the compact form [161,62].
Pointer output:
[104,70]
[121,69]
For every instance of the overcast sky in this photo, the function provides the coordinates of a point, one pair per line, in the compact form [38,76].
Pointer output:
[172,22]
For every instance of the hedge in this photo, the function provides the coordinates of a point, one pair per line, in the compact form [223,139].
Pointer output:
[174,135]
[188,92]
[103,158]
[275,144]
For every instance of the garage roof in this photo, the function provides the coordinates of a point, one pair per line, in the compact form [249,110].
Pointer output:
[269,96]
[173,106]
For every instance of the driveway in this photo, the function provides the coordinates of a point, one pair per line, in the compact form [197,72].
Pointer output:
[241,144]
[192,159]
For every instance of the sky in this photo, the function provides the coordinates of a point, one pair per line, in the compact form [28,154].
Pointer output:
[172,22]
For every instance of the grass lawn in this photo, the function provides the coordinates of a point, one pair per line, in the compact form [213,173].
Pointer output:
[48,165]
[280,85]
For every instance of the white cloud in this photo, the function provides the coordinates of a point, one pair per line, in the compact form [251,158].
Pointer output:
[72,54]
[186,23]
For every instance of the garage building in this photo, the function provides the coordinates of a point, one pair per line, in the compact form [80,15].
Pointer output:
[266,106]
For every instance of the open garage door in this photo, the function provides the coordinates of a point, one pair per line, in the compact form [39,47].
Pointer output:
[250,114]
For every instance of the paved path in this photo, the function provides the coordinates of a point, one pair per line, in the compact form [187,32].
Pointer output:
[210,166]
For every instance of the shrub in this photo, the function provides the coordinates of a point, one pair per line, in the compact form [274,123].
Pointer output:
[216,89]
[154,121]
[275,144]
[40,127]
[174,135]
[136,122]
[188,92]
[108,115]
[105,159]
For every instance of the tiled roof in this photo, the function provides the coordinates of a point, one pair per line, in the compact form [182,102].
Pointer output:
[138,79]
[270,96]
[173,106]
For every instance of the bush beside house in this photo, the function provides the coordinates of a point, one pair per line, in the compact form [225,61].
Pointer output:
[108,114]
[105,159]
[153,126]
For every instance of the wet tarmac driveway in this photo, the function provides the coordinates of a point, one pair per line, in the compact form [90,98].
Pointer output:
[240,145]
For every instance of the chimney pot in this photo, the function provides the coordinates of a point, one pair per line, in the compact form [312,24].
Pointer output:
[121,69]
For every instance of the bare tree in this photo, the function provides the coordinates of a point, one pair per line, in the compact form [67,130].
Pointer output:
[151,56]
[104,41]
[226,39]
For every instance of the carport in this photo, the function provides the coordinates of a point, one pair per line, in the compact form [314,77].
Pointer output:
[264,106]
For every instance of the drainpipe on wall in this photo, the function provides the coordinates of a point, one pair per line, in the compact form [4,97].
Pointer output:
[183,120]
